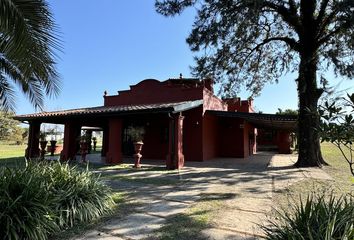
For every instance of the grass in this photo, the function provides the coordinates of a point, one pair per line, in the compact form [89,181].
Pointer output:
[189,225]
[143,180]
[8,150]
[121,208]
[338,169]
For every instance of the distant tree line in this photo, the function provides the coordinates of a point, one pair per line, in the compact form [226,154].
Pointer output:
[10,129]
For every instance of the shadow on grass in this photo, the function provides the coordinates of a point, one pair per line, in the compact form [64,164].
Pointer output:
[183,227]
[190,225]
[217,196]
[142,180]
[13,162]
[123,207]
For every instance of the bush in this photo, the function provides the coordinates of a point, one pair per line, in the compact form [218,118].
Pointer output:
[321,216]
[80,196]
[46,197]
[25,210]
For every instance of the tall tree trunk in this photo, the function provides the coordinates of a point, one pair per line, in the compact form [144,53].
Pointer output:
[309,120]
[308,124]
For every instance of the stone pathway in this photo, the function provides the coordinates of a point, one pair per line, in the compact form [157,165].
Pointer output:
[248,184]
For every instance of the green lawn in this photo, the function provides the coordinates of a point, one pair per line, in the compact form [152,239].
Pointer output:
[338,168]
[11,154]
[9,150]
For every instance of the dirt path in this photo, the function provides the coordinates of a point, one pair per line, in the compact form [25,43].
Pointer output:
[241,190]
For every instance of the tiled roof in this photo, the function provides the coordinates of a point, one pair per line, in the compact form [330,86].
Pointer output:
[112,110]
[261,120]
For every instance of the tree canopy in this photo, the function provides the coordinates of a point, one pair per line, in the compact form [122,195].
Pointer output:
[10,130]
[287,112]
[253,42]
[28,45]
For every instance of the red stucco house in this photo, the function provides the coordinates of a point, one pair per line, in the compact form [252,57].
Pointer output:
[182,118]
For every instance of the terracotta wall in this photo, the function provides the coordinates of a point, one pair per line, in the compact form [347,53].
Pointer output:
[156,138]
[211,102]
[210,137]
[283,142]
[153,91]
[249,139]
[267,137]
[193,135]
[279,138]
[238,105]
[231,139]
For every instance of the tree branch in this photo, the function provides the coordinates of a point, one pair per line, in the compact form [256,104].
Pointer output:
[337,30]
[290,41]
[288,14]
[292,7]
[325,21]
[322,11]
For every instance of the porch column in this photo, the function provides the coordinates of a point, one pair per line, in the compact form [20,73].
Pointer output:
[114,154]
[71,134]
[32,150]
[104,149]
[175,157]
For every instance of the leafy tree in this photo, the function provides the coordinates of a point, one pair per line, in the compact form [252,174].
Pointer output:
[253,42]
[10,129]
[337,126]
[28,41]
[287,112]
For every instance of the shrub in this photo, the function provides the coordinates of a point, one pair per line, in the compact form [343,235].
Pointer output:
[320,216]
[46,197]
[25,211]
[80,196]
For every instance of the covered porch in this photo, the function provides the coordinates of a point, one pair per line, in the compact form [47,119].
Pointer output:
[282,128]
[163,124]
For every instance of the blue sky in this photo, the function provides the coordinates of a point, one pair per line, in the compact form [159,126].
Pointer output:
[110,44]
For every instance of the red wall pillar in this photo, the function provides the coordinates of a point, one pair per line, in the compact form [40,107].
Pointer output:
[32,150]
[175,157]
[71,134]
[283,140]
[114,154]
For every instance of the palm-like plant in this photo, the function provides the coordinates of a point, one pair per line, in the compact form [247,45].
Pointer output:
[28,42]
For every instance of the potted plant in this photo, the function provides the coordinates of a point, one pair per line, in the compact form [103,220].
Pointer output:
[94,139]
[136,135]
[53,141]
[83,147]
[43,144]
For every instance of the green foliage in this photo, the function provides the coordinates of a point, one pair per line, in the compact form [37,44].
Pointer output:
[337,126]
[42,136]
[10,129]
[25,206]
[45,197]
[320,216]
[250,43]
[28,41]
[80,196]
[136,133]
[287,112]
